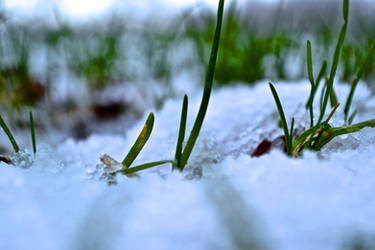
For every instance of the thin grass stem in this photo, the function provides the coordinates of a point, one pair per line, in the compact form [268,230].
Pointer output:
[336,58]
[320,75]
[349,99]
[145,166]
[352,116]
[140,142]
[309,103]
[331,133]
[32,131]
[282,117]
[9,134]
[181,133]
[333,98]
[291,133]
[207,89]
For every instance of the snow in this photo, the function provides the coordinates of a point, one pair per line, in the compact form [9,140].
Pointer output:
[224,200]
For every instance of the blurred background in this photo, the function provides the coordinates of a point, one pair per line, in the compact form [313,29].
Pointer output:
[82,62]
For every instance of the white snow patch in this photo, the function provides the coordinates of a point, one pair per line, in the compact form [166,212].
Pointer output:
[318,201]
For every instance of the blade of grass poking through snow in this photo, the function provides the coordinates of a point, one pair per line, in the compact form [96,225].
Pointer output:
[349,99]
[351,118]
[291,133]
[333,98]
[320,75]
[323,93]
[181,133]
[331,133]
[335,61]
[144,166]
[207,89]
[32,131]
[140,142]
[9,134]
[309,103]
[282,118]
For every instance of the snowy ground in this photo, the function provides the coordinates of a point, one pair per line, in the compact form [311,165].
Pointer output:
[224,200]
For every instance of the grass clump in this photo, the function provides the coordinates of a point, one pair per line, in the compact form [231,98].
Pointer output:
[321,132]
[182,153]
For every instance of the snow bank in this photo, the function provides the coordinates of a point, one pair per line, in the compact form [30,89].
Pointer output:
[224,200]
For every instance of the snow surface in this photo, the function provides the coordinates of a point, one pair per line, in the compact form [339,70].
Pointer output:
[224,200]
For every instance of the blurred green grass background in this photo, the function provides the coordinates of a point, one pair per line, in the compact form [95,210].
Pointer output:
[259,41]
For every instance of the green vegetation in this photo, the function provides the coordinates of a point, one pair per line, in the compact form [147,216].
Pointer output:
[182,153]
[11,137]
[9,134]
[32,132]
[321,133]
[115,51]
[247,49]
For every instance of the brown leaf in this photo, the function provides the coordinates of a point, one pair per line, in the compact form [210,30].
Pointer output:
[263,148]
[5,159]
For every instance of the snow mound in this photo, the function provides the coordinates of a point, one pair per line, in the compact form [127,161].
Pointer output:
[224,200]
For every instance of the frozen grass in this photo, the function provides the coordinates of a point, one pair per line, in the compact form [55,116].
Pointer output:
[182,153]
[321,133]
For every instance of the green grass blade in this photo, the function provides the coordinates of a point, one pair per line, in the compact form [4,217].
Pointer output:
[9,134]
[333,98]
[321,74]
[181,132]
[331,133]
[309,64]
[140,142]
[291,133]
[144,166]
[32,131]
[345,10]
[351,118]
[322,95]
[349,99]
[282,117]
[309,103]
[332,112]
[207,89]
[333,71]
[335,61]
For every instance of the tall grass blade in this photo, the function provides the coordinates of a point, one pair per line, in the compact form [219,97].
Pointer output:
[32,131]
[181,133]
[333,132]
[207,89]
[351,118]
[9,134]
[349,99]
[144,166]
[345,10]
[309,64]
[140,142]
[309,103]
[291,133]
[333,98]
[335,61]
[321,74]
[282,117]
[322,95]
